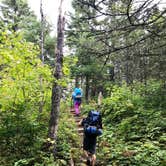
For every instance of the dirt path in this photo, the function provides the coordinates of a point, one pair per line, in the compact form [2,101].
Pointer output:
[80,131]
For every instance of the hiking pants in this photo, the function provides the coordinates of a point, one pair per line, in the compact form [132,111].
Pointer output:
[76,107]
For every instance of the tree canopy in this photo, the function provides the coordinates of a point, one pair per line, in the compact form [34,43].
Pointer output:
[116,48]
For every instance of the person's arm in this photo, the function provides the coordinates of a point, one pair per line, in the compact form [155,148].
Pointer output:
[83,121]
[80,122]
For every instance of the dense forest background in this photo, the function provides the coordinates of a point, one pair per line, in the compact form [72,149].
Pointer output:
[117,47]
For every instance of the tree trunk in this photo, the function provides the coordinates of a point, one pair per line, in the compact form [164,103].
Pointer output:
[56,90]
[42,32]
[87,89]
[76,81]
[41,103]
[15,24]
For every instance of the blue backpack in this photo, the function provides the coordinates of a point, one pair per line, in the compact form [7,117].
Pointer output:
[94,118]
[93,126]
[78,93]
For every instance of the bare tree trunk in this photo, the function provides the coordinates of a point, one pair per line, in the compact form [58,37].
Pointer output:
[76,81]
[41,102]
[42,31]
[56,89]
[87,89]
[15,25]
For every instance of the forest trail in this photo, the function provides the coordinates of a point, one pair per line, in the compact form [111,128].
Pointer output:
[80,131]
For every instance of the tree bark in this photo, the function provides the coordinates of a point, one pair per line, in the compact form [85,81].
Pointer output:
[41,103]
[42,32]
[56,89]
[87,89]
[15,25]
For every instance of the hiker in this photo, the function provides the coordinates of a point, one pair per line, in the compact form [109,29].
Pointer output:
[92,128]
[77,98]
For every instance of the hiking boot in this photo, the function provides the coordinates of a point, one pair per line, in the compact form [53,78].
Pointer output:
[88,162]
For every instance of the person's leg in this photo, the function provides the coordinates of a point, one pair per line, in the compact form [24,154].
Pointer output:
[86,153]
[76,106]
[89,159]
[79,107]
[86,146]
[93,159]
[92,149]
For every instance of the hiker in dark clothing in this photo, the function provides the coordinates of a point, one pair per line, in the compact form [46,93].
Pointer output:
[91,131]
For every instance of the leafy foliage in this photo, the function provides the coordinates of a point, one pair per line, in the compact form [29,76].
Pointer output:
[106,37]
[20,95]
[21,71]
[18,17]
[134,126]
